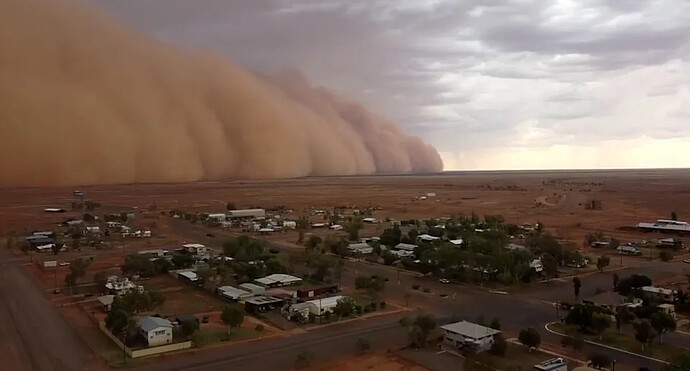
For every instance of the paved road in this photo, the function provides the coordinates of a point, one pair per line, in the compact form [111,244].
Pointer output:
[34,336]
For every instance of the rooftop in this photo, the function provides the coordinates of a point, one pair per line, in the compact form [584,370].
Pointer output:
[151,323]
[261,300]
[470,330]
[279,278]
[550,364]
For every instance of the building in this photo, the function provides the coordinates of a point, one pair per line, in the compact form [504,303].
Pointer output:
[195,248]
[316,291]
[120,286]
[262,304]
[457,242]
[156,330]
[660,293]
[628,250]
[405,246]
[537,265]
[278,280]
[232,293]
[669,309]
[155,253]
[664,225]
[465,334]
[370,220]
[252,288]
[106,301]
[318,307]
[360,248]
[427,238]
[671,243]
[217,217]
[188,276]
[555,364]
[246,214]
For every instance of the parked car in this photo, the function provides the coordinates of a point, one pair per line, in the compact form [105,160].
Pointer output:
[62,264]
[444,280]
[686,261]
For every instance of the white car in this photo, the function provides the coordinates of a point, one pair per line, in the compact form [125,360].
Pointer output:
[686,261]
[62,264]
[444,280]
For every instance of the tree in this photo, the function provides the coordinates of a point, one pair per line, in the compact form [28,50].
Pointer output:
[353,229]
[305,357]
[496,323]
[56,248]
[344,307]
[580,315]
[623,316]
[116,320]
[418,329]
[550,265]
[662,323]
[188,328]
[182,260]
[600,322]
[230,206]
[600,360]
[363,344]
[260,329]
[603,262]
[530,338]
[577,283]
[644,333]
[499,346]
[666,256]
[313,242]
[674,215]
[100,279]
[233,316]
[576,342]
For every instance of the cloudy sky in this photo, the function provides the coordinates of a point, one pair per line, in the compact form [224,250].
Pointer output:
[493,84]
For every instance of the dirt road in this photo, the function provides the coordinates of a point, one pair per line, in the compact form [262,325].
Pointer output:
[34,336]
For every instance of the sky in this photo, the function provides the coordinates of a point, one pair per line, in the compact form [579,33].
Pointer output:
[492,84]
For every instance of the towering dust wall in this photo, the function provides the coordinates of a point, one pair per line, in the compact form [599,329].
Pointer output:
[84,100]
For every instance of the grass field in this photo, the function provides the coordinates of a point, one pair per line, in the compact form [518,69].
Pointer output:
[622,341]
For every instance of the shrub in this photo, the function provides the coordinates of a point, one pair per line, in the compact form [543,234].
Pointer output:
[273,250]
[415,287]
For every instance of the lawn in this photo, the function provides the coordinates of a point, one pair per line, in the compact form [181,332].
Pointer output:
[626,342]
[516,358]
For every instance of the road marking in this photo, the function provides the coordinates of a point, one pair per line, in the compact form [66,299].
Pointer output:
[441,352]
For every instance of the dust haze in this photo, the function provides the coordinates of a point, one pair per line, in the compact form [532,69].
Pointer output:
[84,100]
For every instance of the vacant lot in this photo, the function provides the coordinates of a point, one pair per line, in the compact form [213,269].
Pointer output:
[181,298]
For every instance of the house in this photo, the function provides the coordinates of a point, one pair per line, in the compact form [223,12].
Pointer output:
[246,214]
[120,286]
[217,217]
[93,229]
[537,265]
[457,242]
[195,248]
[232,293]
[154,254]
[669,309]
[106,301]
[186,318]
[555,364]
[336,227]
[405,246]
[370,220]
[316,291]
[262,304]
[318,307]
[628,250]
[427,238]
[156,330]
[289,224]
[465,334]
[660,293]
[278,280]
[665,225]
[252,288]
[360,248]
[672,243]
[188,276]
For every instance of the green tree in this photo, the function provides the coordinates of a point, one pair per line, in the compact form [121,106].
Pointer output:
[577,284]
[530,338]
[623,317]
[345,307]
[363,344]
[353,229]
[580,315]
[674,215]
[499,346]
[600,322]
[100,279]
[603,262]
[550,265]
[188,328]
[662,323]
[230,206]
[233,316]
[644,333]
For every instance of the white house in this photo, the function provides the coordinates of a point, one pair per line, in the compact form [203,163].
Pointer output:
[121,285]
[370,220]
[628,250]
[195,248]
[246,214]
[188,276]
[361,248]
[666,295]
[289,224]
[156,330]
[321,306]
[278,280]
[537,265]
[232,293]
[468,334]
[427,238]
[405,246]
[218,217]
[457,242]
[402,253]
[253,289]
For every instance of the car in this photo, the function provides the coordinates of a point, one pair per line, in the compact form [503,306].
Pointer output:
[444,280]
[444,295]
[56,291]
[62,264]
[686,261]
